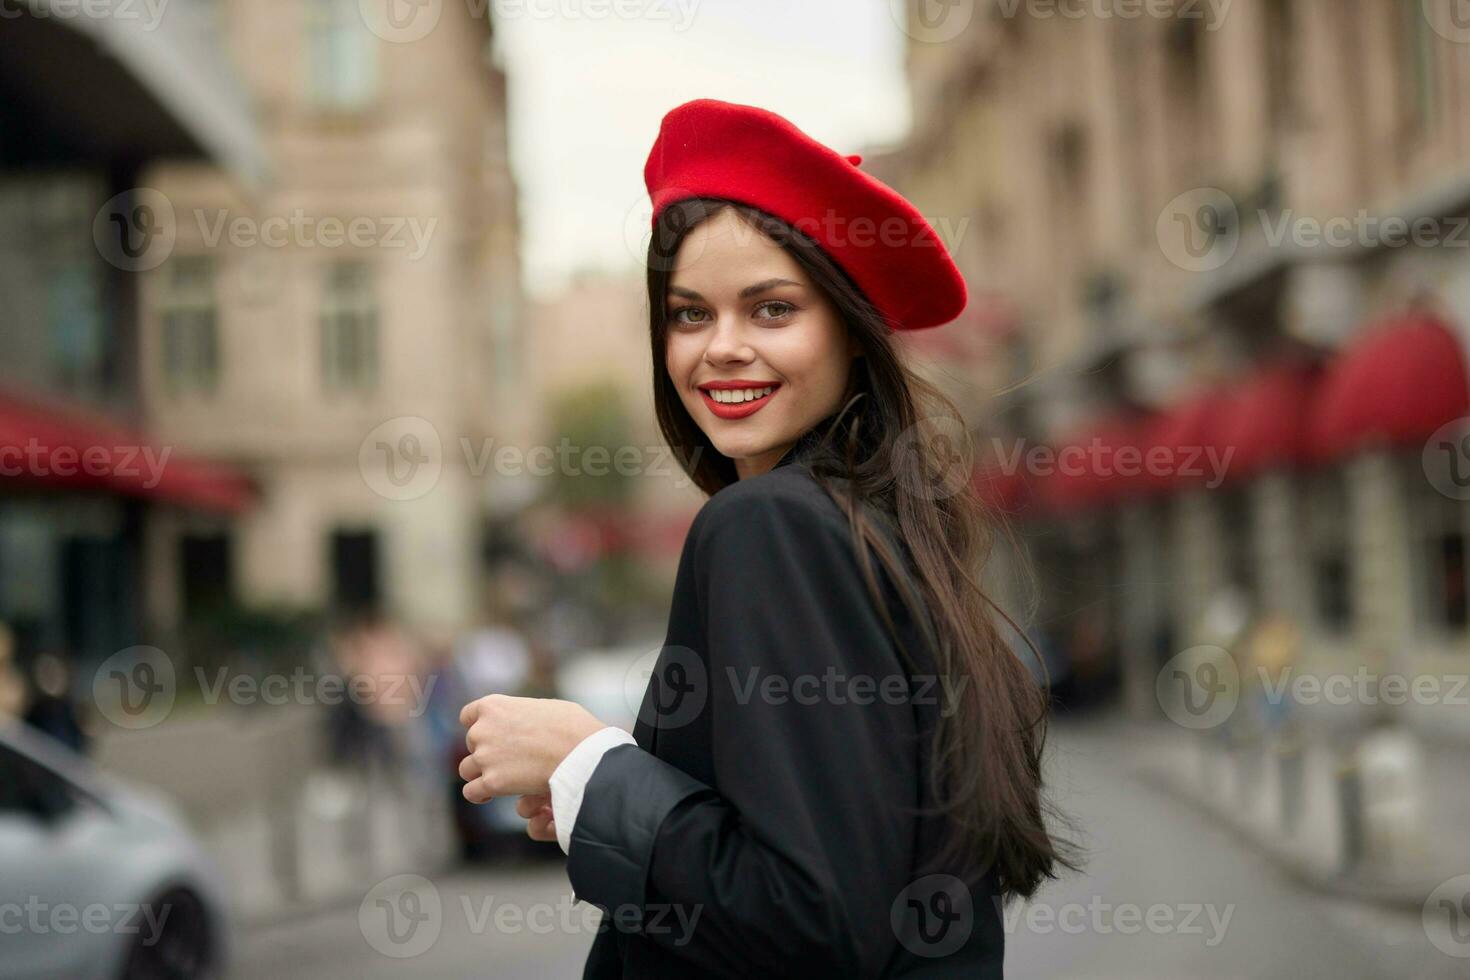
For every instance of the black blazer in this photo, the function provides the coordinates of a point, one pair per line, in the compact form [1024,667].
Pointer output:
[764,824]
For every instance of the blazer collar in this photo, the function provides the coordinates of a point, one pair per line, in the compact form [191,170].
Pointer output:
[803,444]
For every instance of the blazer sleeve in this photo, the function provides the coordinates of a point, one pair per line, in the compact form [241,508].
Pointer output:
[793,865]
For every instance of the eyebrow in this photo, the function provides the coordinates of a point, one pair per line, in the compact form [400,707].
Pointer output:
[745,293]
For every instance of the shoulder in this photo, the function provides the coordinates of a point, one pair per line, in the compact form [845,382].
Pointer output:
[786,502]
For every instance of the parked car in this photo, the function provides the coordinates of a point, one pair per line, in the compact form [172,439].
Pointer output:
[98,881]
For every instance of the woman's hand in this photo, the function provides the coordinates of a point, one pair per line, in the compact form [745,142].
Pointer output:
[540,824]
[516,743]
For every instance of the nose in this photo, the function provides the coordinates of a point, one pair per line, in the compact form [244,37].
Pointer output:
[728,344]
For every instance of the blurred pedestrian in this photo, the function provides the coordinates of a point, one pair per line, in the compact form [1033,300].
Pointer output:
[52,709]
[12,684]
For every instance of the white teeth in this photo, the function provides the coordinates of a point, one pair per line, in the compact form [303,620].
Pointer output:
[731,396]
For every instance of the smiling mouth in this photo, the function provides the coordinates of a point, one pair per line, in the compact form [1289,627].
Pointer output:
[738,399]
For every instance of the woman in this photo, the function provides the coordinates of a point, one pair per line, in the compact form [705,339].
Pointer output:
[836,769]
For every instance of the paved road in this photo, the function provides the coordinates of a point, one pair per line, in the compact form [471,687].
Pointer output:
[1220,909]
[1166,894]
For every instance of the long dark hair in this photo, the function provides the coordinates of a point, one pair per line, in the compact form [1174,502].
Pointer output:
[986,771]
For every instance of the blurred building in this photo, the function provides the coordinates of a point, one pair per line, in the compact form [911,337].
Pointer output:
[87,103]
[589,352]
[1236,252]
[348,333]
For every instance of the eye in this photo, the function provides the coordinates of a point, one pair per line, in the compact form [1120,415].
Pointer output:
[775,309]
[700,316]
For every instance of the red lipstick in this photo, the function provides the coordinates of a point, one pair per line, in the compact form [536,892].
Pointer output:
[741,409]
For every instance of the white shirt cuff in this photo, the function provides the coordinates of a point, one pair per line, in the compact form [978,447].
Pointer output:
[569,780]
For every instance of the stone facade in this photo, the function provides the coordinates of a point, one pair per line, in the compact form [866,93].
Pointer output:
[373,278]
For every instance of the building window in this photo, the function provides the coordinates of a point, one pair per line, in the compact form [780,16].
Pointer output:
[342,55]
[349,322]
[206,574]
[1439,526]
[1281,56]
[1416,63]
[189,315]
[1328,549]
[76,328]
[1239,540]
[1070,174]
[354,563]
[1191,120]
[505,342]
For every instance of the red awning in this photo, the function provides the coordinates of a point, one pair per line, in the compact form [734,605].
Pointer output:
[1396,384]
[50,445]
[1265,425]
[1099,466]
[610,529]
[1184,444]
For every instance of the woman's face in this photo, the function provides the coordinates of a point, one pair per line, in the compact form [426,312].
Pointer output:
[755,349]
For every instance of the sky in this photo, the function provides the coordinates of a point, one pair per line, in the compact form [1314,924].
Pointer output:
[587,94]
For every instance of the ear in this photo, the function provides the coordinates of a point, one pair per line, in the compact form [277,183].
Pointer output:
[854,349]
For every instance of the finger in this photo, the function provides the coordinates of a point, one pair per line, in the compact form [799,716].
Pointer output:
[468,768]
[532,804]
[476,791]
[469,713]
[541,828]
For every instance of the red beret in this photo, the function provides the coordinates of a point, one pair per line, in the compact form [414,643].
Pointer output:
[708,148]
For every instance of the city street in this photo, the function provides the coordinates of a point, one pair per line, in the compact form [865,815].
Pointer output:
[1217,908]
